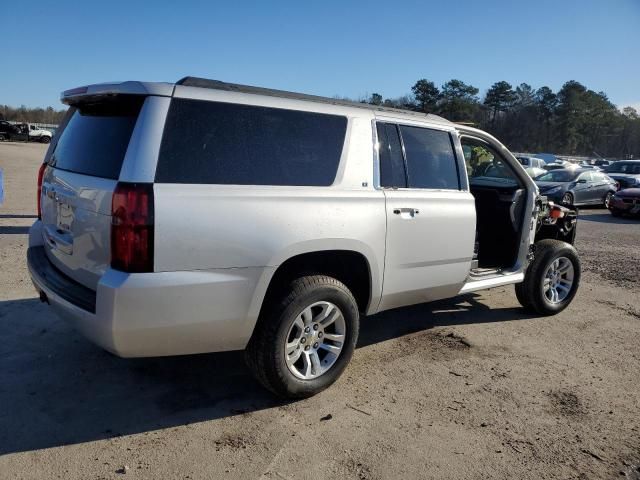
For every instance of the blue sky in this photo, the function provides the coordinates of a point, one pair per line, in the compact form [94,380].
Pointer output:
[325,48]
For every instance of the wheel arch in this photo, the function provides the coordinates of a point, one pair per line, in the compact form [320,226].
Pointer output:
[355,267]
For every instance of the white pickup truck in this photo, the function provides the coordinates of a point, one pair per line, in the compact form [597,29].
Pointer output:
[39,134]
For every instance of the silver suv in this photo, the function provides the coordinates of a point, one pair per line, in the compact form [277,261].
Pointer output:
[204,216]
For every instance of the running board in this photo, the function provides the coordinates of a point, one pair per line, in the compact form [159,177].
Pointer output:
[497,281]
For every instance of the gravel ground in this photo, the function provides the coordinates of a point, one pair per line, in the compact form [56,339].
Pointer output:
[471,387]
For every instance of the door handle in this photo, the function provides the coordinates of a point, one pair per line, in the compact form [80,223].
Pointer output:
[406,211]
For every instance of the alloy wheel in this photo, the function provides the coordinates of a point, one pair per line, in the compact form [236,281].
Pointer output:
[315,339]
[558,280]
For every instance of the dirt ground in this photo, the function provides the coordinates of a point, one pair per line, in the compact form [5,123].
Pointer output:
[471,387]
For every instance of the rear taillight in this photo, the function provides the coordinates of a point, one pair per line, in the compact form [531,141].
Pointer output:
[132,227]
[40,175]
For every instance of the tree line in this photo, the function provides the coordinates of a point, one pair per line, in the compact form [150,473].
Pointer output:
[24,114]
[571,121]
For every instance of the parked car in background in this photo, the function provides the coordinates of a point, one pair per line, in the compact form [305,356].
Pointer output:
[24,131]
[8,130]
[547,157]
[33,133]
[625,172]
[590,166]
[602,163]
[559,166]
[625,201]
[535,171]
[39,134]
[531,161]
[577,186]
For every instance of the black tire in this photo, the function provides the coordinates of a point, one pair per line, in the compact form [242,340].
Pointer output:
[615,212]
[522,297]
[44,139]
[607,199]
[530,292]
[265,353]
[567,199]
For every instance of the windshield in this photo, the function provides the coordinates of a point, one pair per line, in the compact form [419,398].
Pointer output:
[623,167]
[557,176]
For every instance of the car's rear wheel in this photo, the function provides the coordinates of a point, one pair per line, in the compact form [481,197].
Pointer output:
[567,199]
[607,199]
[552,278]
[44,139]
[303,343]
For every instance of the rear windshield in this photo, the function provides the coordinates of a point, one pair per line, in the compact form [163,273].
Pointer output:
[95,140]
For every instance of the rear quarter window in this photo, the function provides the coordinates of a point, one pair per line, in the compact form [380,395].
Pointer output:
[224,143]
[95,140]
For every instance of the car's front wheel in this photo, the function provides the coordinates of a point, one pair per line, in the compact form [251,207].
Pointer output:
[303,343]
[567,199]
[552,278]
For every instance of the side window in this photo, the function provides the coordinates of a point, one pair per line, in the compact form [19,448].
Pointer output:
[392,172]
[586,176]
[226,143]
[484,165]
[431,161]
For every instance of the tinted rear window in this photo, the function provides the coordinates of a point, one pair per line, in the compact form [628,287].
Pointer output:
[431,161]
[224,143]
[95,140]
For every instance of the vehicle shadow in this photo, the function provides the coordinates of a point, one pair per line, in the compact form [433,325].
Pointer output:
[4,215]
[610,219]
[13,230]
[461,310]
[57,389]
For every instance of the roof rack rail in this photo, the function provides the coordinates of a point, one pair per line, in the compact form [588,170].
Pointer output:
[234,87]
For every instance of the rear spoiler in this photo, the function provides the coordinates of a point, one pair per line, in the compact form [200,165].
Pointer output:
[90,92]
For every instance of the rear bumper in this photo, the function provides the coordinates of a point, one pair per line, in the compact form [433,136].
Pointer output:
[161,313]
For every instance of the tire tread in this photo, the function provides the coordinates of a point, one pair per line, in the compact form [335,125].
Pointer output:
[257,353]
[528,293]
